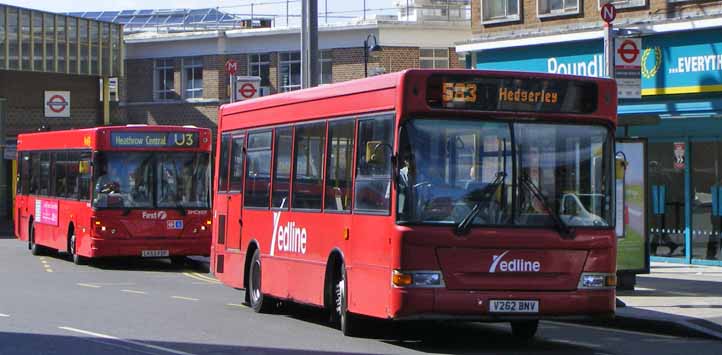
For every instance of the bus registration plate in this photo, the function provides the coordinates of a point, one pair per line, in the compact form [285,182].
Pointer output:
[154,253]
[513,306]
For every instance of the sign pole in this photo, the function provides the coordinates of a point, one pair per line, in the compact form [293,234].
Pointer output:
[106,100]
[609,50]
[232,87]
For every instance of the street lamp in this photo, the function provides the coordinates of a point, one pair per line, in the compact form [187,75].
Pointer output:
[368,50]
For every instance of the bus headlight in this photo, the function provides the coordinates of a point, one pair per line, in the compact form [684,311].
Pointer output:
[596,281]
[417,278]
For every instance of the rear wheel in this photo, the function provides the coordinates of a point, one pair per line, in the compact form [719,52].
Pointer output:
[259,302]
[77,259]
[525,329]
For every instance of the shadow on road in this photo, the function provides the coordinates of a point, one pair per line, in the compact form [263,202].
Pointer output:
[137,263]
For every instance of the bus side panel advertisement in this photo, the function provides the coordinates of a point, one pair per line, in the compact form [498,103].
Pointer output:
[46,212]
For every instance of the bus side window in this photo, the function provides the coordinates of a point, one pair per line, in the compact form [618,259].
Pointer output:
[44,178]
[282,168]
[59,174]
[373,166]
[309,149]
[71,175]
[24,183]
[237,163]
[339,166]
[223,162]
[258,170]
[84,176]
[35,176]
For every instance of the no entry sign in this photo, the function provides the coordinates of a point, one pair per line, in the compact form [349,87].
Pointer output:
[57,103]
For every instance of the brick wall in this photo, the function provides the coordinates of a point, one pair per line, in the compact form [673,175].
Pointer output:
[139,75]
[26,96]
[176,113]
[589,13]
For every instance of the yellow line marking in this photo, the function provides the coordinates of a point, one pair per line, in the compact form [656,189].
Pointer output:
[42,258]
[49,270]
[236,305]
[185,298]
[134,291]
[88,285]
[136,343]
[206,277]
[193,276]
[43,261]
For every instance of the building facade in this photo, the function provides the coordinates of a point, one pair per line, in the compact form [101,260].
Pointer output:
[180,78]
[50,66]
[678,111]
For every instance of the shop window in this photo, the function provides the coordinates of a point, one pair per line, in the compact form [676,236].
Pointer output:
[289,71]
[259,65]
[623,4]
[493,11]
[434,57]
[550,8]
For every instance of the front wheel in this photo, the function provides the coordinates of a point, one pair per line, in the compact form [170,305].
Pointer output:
[35,249]
[77,259]
[347,321]
[525,329]
[259,302]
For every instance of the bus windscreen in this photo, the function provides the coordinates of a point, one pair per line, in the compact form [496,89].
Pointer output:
[464,92]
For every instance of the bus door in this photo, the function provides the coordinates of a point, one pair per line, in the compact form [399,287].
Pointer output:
[21,198]
[234,199]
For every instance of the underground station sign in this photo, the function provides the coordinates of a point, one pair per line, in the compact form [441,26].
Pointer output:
[154,139]
[57,104]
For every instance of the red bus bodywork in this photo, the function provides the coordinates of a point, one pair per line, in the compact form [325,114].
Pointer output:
[112,231]
[373,246]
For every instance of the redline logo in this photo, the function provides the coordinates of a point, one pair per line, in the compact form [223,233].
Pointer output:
[290,238]
[154,215]
[514,265]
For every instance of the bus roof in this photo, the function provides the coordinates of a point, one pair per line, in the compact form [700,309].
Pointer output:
[89,138]
[357,96]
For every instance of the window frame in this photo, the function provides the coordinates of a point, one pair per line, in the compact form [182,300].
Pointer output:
[255,60]
[196,64]
[274,166]
[390,115]
[167,95]
[322,164]
[434,58]
[290,62]
[351,163]
[247,152]
[506,18]
[556,13]
[627,4]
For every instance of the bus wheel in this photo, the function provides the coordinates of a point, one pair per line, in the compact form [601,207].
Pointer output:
[259,302]
[77,259]
[346,320]
[34,248]
[524,329]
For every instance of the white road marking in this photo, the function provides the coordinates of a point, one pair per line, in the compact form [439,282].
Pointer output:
[4,315]
[110,337]
[134,291]
[88,285]
[236,305]
[612,330]
[185,298]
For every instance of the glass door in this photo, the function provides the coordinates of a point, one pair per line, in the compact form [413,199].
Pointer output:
[666,180]
[705,198]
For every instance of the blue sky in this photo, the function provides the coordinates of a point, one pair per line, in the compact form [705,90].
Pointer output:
[235,6]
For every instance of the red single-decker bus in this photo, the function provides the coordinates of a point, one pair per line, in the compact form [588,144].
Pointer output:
[133,190]
[423,194]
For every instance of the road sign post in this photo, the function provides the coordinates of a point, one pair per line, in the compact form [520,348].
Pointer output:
[608,14]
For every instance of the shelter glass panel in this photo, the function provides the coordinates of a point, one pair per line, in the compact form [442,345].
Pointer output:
[666,179]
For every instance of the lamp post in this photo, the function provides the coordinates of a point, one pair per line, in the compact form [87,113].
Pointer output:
[368,50]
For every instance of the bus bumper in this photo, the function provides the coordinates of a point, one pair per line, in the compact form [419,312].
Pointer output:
[418,303]
[95,248]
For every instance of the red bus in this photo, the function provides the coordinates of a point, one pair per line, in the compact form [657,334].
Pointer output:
[423,194]
[134,190]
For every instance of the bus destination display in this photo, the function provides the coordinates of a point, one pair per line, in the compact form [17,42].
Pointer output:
[154,139]
[506,94]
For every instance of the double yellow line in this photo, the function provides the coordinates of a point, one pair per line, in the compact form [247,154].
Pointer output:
[45,264]
[201,277]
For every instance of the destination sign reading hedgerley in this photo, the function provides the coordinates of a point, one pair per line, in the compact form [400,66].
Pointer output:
[153,139]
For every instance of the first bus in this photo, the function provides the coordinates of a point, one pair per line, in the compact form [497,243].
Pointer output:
[132,190]
[424,194]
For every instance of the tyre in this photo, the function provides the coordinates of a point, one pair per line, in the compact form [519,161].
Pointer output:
[34,248]
[178,260]
[77,259]
[525,329]
[260,303]
[347,321]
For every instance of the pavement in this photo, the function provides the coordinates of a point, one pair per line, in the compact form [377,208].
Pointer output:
[674,298]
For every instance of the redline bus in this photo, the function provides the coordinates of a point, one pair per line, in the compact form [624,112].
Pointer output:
[134,190]
[423,194]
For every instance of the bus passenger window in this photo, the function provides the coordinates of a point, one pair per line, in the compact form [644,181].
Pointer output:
[282,168]
[223,163]
[258,170]
[308,167]
[25,174]
[373,166]
[35,176]
[59,174]
[44,178]
[339,165]
[237,163]
[84,176]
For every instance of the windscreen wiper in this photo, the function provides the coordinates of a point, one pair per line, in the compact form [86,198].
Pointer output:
[486,194]
[561,227]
